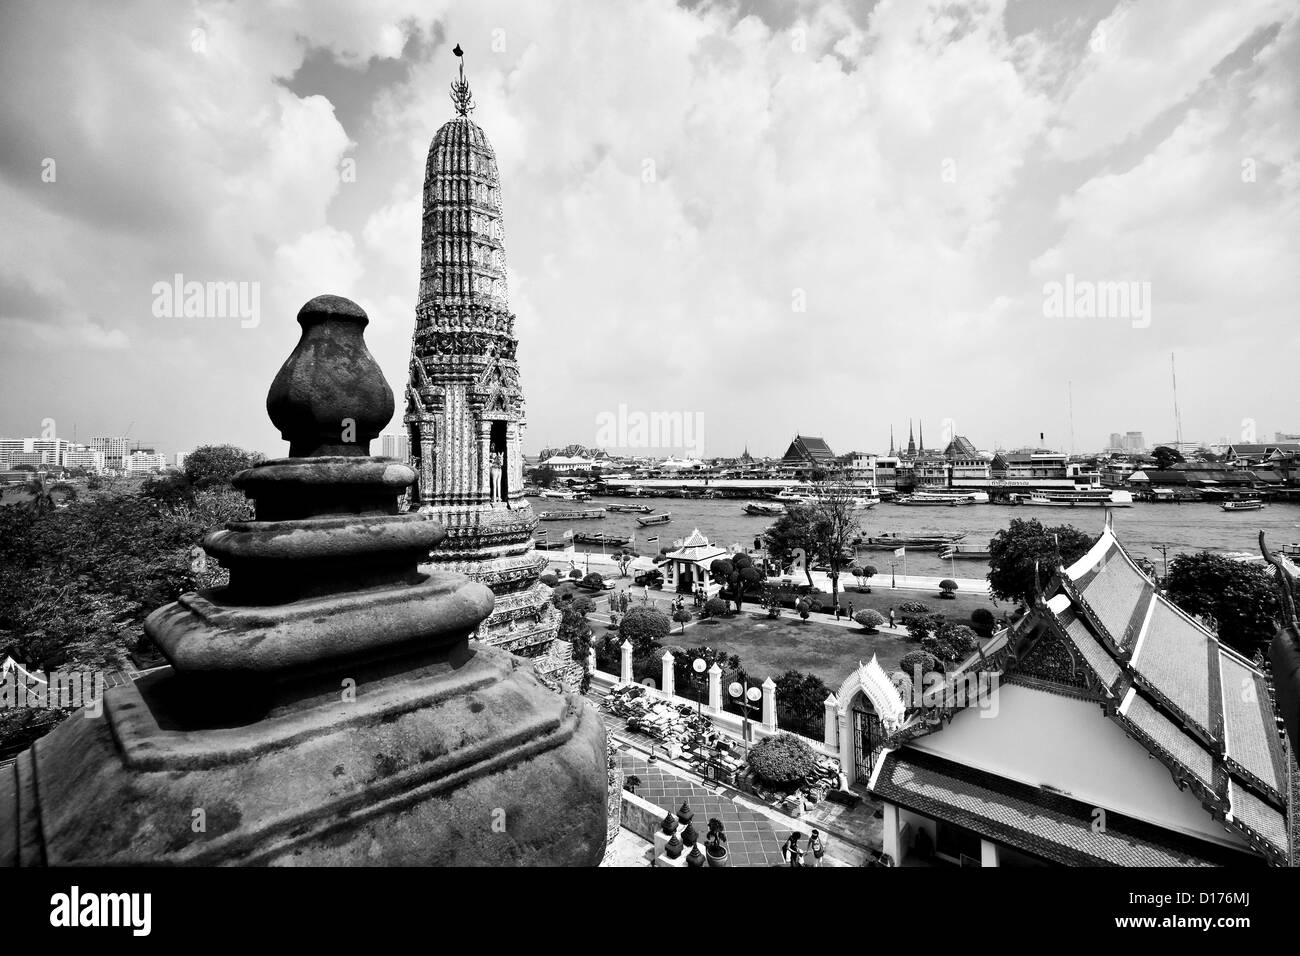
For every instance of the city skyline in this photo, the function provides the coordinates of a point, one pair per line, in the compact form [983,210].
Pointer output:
[987,157]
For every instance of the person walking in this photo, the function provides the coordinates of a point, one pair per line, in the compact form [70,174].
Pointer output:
[790,851]
[891,617]
[850,610]
[837,613]
[817,848]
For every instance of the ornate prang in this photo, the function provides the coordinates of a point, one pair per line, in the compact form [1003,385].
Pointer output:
[1284,651]
[464,401]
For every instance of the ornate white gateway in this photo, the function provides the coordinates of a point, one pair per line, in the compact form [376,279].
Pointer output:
[861,732]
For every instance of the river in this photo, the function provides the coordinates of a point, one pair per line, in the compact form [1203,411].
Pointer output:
[1190,527]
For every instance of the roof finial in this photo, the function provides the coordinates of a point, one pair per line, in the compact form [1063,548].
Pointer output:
[461,97]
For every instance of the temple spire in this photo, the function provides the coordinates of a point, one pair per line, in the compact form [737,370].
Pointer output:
[461,97]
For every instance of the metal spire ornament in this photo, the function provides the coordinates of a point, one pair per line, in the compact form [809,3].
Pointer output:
[461,97]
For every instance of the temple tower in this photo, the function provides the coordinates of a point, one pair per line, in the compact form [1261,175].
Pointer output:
[464,403]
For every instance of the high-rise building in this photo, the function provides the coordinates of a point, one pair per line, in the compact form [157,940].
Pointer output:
[464,403]
[397,447]
[115,450]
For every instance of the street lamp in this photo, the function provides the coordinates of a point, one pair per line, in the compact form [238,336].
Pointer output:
[699,666]
[747,696]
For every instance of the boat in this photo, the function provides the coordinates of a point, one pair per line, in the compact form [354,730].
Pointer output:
[565,495]
[971,552]
[947,499]
[601,538]
[572,514]
[1079,498]
[543,545]
[913,541]
[630,509]
[1242,504]
[647,520]
[581,496]
[763,509]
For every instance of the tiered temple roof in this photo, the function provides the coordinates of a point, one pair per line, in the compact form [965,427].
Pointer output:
[1108,636]
[806,448]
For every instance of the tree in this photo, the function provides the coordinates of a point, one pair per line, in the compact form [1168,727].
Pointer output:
[715,607]
[804,608]
[1014,550]
[736,575]
[946,588]
[576,629]
[792,532]
[1239,599]
[645,627]
[1166,457]
[544,476]
[47,495]
[682,617]
[981,620]
[835,527]
[869,619]
[923,660]
[800,703]
[210,465]
[685,675]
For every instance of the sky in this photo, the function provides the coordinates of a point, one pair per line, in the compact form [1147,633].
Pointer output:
[774,217]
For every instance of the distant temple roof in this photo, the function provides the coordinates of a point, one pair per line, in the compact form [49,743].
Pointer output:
[961,447]
[806,448]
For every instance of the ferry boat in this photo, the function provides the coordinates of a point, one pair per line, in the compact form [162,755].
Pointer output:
[863,498]
[647,520]
[1079,498]
[764,510]
[544,545]
[1242,504]
[565,495]
[572,514]
[949,499]
[630,509]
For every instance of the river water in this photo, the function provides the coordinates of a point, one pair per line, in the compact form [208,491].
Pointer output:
[1194,526]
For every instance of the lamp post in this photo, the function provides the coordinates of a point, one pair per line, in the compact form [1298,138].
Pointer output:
[699,666]
[893,584]
[747,696]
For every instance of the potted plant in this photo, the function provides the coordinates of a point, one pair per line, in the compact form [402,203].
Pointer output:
[715,844]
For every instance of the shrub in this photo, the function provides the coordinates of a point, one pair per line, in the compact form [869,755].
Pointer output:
[982,621]
[946,587]
[869,619]
[715,607]
[575,574]
[782,761]
[645,627]
[922,659]
[549,579]
[682,617]
[921,626]
[950,642]
[594,580]
[912,607]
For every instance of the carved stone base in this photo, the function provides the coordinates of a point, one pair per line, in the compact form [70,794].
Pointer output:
[451,763]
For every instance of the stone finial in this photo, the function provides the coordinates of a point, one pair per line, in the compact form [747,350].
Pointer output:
[330,397]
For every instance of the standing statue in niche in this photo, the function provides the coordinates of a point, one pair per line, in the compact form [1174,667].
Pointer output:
[497,461]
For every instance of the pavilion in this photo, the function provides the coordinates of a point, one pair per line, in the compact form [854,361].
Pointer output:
[688,566]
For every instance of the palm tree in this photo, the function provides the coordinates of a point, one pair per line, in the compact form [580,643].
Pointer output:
[47,495]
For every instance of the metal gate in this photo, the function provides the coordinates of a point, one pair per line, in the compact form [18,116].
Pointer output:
[867,740]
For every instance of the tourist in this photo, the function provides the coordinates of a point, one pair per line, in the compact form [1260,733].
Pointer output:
[891,617]
[837,612]
[817,848]
[850,610]
[790,851]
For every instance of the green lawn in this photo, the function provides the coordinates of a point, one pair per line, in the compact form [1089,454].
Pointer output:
[769,648]
[956,609]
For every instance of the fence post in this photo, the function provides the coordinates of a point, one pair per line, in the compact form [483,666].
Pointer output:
[667,683]
[831,723]
[625,663]
[769,705]
[715,688]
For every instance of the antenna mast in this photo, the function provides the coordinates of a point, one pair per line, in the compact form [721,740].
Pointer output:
[1178,419]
